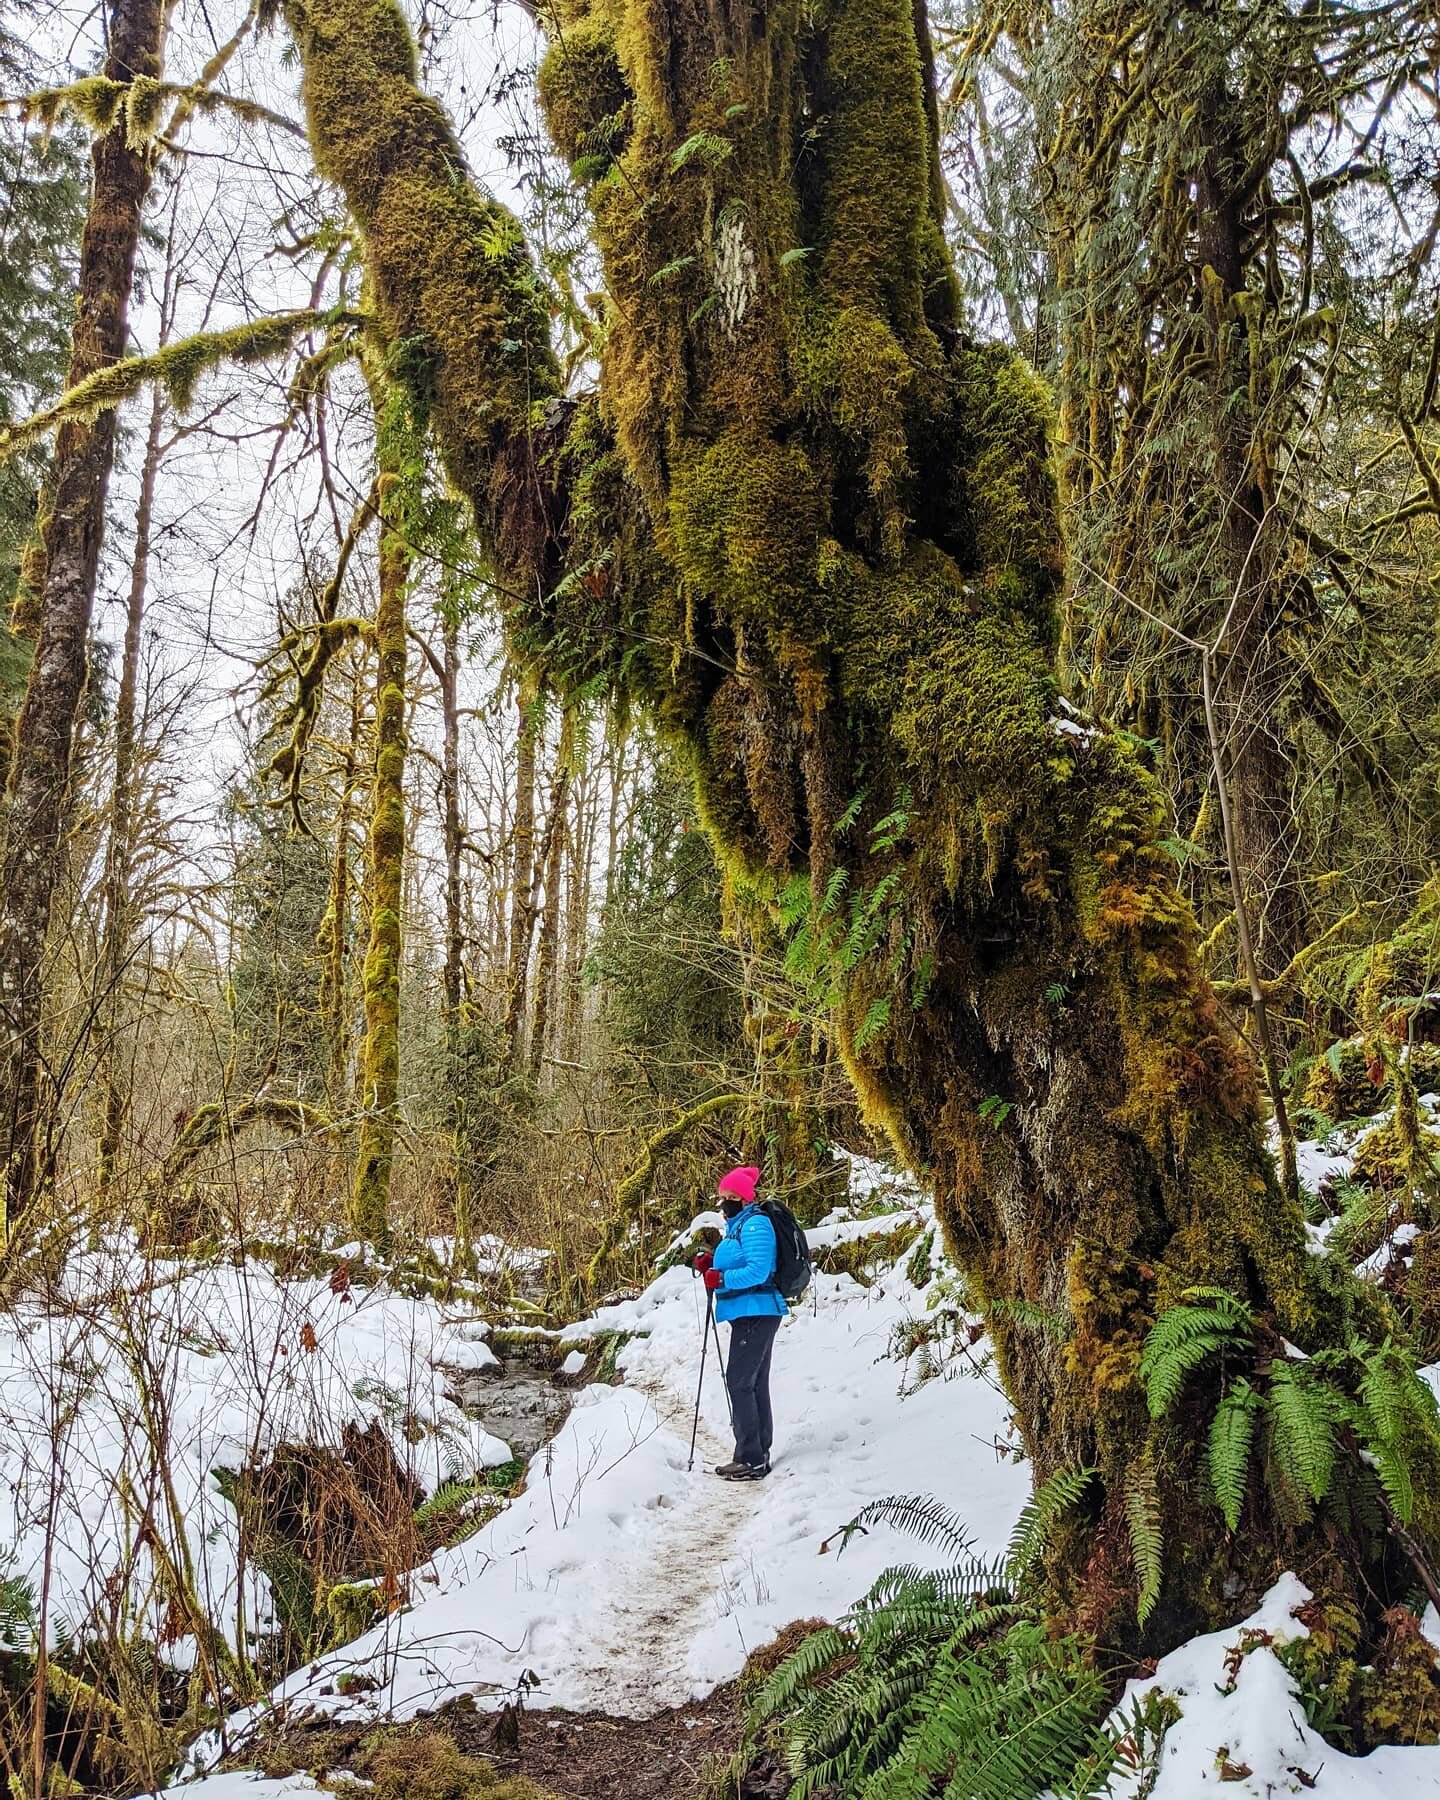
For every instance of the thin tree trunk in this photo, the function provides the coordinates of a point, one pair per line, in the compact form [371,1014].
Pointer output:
[385,864]
[333,939]
[120,851]
[547,959]
[579,881]
[71,535]
[522,879]
[454,836]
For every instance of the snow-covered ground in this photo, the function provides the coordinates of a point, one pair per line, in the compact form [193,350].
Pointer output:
[1241,1724]
[622,1579]
[121,1398]
[627,1581]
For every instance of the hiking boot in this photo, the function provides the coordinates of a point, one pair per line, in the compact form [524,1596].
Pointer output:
[742,1471]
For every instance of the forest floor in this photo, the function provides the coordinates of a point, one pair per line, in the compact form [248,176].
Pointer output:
[622,1591]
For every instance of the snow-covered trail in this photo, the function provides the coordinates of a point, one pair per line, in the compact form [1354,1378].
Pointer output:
[625,1581]
[662,1590]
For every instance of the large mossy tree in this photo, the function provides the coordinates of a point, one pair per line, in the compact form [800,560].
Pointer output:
[812,527]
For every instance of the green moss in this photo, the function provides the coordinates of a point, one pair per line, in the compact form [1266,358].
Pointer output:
[1402,1692]
[423,1764]
[874,147]
[1003,488]
[178,368]
[585,95]
[451,277]
[853,377]
[746,515]
[964,687]
[399,437]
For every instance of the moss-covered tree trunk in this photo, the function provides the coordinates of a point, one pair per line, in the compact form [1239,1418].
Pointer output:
[332,941]
[815,529]
[379,1076]
[522,878]
[63,578]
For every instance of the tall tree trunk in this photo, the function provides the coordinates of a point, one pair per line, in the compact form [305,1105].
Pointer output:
[1253,668]
[333,938]
[522,880]
[385,860]
[71,534]
[454,834]
[547,960]
[119,929]
[579,880]
[834,520]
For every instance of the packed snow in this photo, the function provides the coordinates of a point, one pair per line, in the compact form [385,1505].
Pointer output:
[628,1581]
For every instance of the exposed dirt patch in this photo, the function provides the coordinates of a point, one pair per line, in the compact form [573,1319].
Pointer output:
[570,1756]
[591,1756]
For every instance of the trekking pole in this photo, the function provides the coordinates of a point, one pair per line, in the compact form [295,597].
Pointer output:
[724,1372]
[700,1385]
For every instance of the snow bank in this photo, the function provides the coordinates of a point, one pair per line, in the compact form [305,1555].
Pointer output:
[1243,1730]
[218,1364]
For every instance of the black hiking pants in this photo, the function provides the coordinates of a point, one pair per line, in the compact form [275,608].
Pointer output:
[747,1375]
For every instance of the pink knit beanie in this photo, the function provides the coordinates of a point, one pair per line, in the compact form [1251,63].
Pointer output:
[741,1182]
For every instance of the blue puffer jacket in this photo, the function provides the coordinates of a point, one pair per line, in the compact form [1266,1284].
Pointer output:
[746,1258]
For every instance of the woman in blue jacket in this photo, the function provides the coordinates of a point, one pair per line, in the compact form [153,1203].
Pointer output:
[741,1275]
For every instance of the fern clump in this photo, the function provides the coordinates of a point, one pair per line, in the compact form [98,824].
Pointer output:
[1347,1429]
[945,1681]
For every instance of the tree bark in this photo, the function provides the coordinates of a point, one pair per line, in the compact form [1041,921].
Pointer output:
[454,834]
[1253,675]
[547,960]
[385,860]
[119,930]
[71,535]
[834,520]
[333,938]
[522,880]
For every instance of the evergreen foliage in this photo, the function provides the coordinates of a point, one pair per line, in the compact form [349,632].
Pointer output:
[1334,1430]
[944,1682]
[42,180]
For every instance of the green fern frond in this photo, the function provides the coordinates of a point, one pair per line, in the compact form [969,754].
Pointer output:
[1186,1335]
[1147,1543]
[1303,1418]
[1232,1431]
[918,1516]
[1056,1495]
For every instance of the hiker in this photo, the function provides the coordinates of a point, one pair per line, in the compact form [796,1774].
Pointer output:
[742,1276]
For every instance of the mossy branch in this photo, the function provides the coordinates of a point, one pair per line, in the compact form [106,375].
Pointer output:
[101,104]
[320,643]
[1354,925]
[178,368]
[220,1120]
[632,1191]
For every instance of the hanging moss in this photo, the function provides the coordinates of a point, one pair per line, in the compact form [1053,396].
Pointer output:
[178,368]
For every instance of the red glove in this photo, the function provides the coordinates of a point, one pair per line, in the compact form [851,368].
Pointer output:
[703,1261]
[714,1279]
